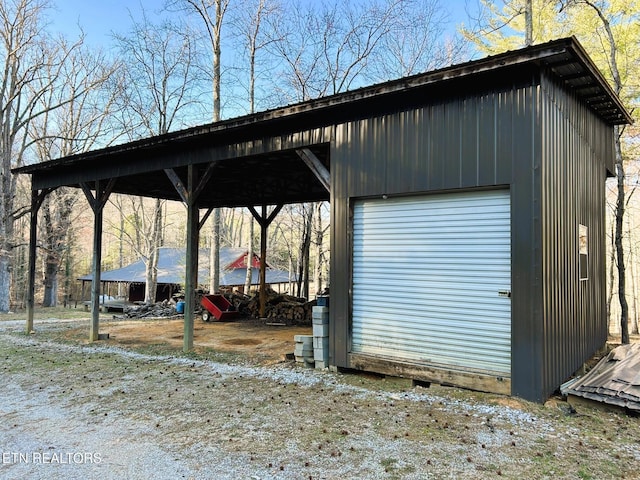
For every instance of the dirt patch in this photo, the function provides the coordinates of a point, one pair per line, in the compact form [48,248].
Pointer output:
[243,341]
[251,338]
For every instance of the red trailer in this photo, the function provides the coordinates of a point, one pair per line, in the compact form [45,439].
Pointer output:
[218,306]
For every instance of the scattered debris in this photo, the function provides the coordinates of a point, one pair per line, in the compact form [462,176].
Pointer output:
[615,380]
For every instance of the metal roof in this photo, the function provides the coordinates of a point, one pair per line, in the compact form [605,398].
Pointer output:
[615,380]
[254,159]
[172,265]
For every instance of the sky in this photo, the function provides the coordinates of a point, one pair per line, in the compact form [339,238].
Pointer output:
[99,18]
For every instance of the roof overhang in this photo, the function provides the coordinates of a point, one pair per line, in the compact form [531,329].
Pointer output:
[253,159]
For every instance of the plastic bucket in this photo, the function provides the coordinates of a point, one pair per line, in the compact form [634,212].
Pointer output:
[180,306]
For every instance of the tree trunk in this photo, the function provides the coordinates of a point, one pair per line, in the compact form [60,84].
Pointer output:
[247,279]
[57,210]
[151,270]
[611,285]
[319,248]
[528,21]
[7,194]
[51,281]
[633,312]
[305,246]
[5,278]
[68,269]
[214,259]
[620,207]
[50,262]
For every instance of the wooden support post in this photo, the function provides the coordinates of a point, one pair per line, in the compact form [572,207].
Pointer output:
[191,280]
[264,221]
[97,270]
[263,263]
[37,197]
[189,194]
[97,203]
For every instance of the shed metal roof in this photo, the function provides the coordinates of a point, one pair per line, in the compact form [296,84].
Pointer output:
[172,265]
[254,155]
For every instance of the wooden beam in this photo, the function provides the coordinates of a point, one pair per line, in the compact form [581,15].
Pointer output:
[89,194]
[177,184]
[256,215]
[207,214]
[102,194]
[204,180]
[106,192]
[316,166]
[180,187]
[440,374]
[273,214]
[266,220]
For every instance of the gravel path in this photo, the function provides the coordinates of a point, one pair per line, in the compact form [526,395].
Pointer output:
[98,412]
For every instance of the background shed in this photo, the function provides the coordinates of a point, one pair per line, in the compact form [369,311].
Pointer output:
[171,268]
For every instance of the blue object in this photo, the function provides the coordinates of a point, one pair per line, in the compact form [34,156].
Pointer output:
[180,306]
[322,301]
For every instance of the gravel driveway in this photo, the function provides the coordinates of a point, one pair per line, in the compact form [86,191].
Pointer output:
[71,411]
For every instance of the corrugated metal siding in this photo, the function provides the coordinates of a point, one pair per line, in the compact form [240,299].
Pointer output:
[413,154]
[574,156]
[527,329]
[556,182]
[427,272]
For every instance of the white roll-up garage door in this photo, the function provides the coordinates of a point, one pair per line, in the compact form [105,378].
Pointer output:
[432,279]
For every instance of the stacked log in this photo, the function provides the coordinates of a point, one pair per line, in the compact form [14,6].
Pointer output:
[280,308]
[153,310]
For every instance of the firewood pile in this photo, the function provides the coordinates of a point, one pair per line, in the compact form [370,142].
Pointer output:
[278,308]
[154,310]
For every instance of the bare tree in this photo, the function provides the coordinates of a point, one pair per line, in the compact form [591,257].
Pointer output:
[611,47]
[327,48]
[32,65]
[248,26]
[500,25]
[320,230]
[211,13]
[162,79]
[161,89]
[528,23]
[74,127]
[417,41]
